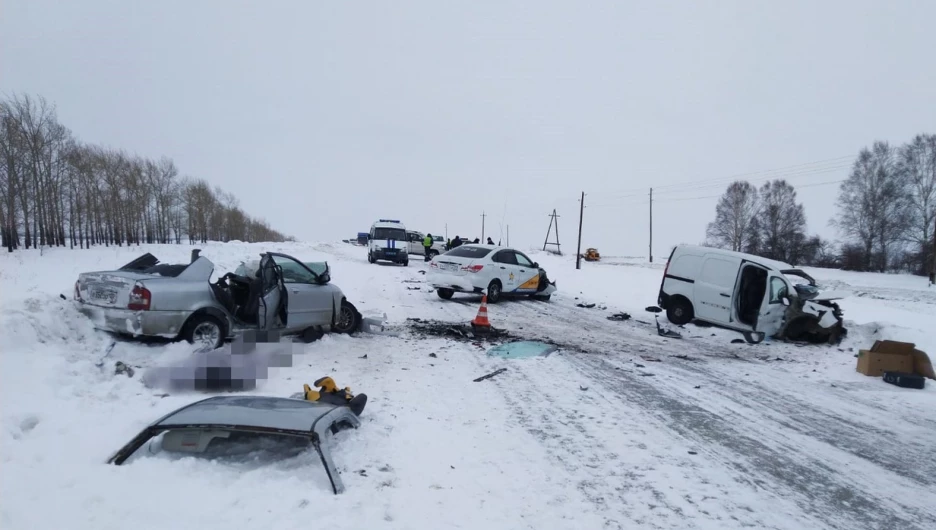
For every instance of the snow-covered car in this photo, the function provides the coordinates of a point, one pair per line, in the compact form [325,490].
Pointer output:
[245,427]
[495,271]
[278,292]
[415,244]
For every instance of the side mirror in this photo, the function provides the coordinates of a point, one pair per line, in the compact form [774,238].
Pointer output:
[536,265]
[785,300]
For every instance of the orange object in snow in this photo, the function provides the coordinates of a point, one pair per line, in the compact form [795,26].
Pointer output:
[481,321]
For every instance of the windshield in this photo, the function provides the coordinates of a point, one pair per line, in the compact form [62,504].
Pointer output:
[390,233]
[469,252]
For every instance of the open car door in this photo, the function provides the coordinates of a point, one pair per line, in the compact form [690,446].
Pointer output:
[272,313]
[774,306]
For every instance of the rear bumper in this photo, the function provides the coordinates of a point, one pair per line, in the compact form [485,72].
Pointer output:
[166,324]
[455,283]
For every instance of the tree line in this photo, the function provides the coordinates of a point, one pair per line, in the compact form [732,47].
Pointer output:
[886,216]
[58,191]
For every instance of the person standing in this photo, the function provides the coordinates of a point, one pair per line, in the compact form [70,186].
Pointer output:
[490,241]
[427,246]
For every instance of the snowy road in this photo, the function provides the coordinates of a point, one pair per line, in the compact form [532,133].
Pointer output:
[599,435]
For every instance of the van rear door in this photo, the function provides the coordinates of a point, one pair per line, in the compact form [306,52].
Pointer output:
[714,288]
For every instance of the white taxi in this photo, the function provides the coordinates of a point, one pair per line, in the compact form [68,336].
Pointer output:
[495,271]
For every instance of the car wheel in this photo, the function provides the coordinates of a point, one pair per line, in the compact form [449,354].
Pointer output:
[679,311]
[406,263]
[205,331]
[349,319]
[433,253]
[370,258]
[494,291]
[445,294]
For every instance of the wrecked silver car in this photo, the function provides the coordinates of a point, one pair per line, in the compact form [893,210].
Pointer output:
[178,301]
[237,426]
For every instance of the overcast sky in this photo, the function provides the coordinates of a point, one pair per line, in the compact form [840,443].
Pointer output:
[323,116]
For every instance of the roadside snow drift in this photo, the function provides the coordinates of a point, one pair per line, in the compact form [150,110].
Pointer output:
[619,428]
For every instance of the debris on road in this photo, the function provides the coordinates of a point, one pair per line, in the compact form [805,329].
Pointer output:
[586,306]
[619,317]
[666,332]
[894,356]
[651,359]
[522,349]
[654,309]
[453,330]
[905,380]
[121,368]
[490,375]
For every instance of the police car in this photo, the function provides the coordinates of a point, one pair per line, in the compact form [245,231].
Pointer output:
[496,271]
[387,241]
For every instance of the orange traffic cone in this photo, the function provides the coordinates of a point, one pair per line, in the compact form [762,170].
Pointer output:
[481,321]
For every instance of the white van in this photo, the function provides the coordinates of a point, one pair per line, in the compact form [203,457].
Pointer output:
[387,241]
[746,293]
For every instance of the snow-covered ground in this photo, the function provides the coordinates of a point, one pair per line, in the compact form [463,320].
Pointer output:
[599,435]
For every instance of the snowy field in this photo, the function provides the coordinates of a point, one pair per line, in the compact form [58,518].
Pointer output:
[620,429]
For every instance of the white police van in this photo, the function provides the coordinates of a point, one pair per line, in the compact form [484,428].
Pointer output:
[387,241]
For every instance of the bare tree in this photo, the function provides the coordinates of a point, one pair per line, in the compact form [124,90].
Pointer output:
[917,167]
[733,227]
[874,206]
[57,191]
[782,222]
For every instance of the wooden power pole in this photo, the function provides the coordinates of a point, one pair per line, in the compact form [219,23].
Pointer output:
[578,252]
[932,277]
[651,225]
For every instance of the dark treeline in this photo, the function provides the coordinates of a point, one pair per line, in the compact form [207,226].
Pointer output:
[886,215]
[58,191]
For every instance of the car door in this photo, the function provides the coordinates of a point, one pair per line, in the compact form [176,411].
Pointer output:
[504,263]
[714,289]
[415,243]
[274,302]
[527,274]
[773,309]
[310,303]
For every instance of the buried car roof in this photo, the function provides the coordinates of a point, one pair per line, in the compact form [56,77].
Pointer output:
[279,413]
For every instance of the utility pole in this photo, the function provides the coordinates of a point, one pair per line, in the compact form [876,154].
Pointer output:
[651,225]
[578,252]
[483,215]
[553,220]
[446,232]
[508,236]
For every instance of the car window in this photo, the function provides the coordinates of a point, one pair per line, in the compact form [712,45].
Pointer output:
[467,251]
[293,271]
[522,260]
[778,289]
[506,257]
[390,233]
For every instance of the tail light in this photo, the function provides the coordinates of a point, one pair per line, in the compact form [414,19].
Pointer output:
[472,268]
[77,291]
[433,264]
[140,298]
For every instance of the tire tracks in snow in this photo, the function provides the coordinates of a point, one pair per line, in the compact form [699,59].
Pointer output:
[753,436]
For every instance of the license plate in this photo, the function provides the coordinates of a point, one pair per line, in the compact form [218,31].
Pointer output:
[106,295]
[449,267]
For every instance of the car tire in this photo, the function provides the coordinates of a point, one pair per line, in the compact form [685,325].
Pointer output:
[204,330]
[348,320]
[406,263]
[494,291]
[679,311]
[370,258]
[433,253]
[445,294]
